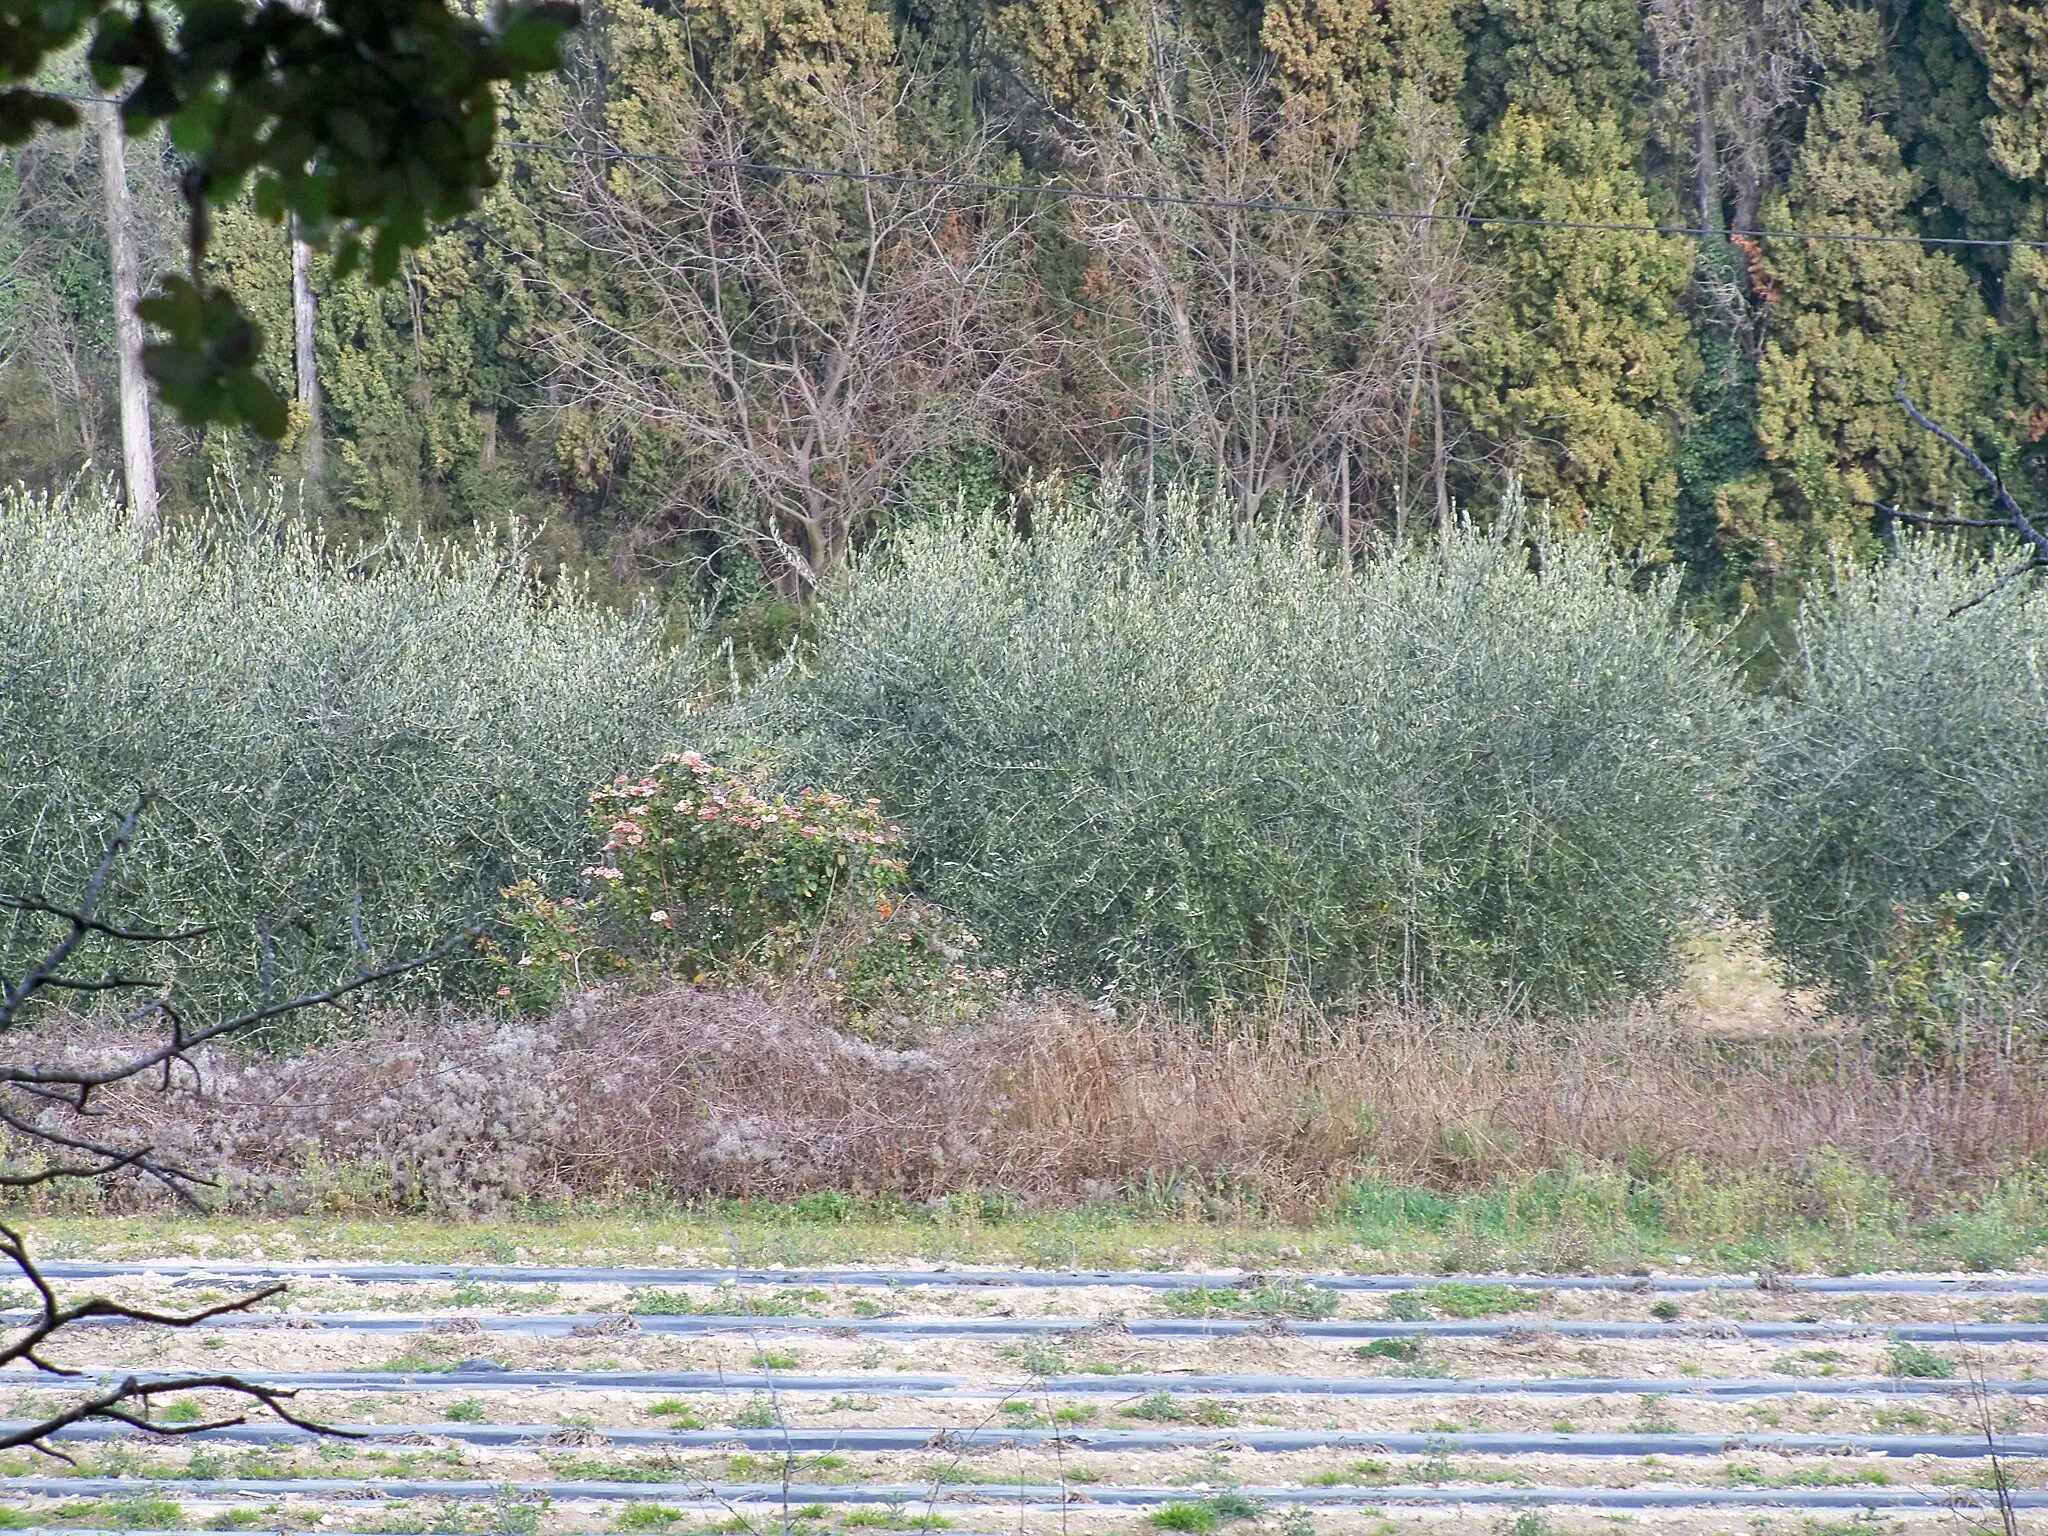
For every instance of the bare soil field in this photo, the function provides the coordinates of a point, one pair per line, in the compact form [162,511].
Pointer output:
[536,1400]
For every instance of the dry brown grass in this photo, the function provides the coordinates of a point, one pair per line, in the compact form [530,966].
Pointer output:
[722,1093]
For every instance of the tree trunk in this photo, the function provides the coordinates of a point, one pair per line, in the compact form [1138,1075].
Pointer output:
[1706,153]
[1439,463]
[304,313]
[138,453]
[1344,505]
[1405,465]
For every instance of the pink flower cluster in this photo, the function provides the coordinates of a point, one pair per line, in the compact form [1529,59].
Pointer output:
[635,816]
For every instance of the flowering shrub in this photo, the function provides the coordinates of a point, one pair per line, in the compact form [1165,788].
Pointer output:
[564,945]
[316,727]
[701,857]
[705,873]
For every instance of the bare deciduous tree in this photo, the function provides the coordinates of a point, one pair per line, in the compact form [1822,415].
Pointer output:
[799,342]
[48,1113]
[1729,68]
[1435,293]
[1236,356]
[1224,280]
[49,210]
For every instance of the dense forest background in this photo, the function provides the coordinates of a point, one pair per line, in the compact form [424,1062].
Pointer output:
[707,378]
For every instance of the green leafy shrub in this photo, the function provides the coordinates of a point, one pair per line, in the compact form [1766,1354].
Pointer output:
[141,1514]
[756,1413]
[728,1301]
[1463,1299]
[1211,766]
[1277,1298]
[1370,1470]
[1917,1360]
[1409,1306]
[1041,1359]
[1162,1407]
[1406,1351]
[648,1517]
[351,756]
[704,871]
[1201,1516]
[1896,841]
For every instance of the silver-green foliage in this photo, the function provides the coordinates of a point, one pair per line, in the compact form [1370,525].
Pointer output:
[1212,766]
[1904,793]
[349,759]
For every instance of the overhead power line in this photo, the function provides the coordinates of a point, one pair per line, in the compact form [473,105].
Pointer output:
[1224,204]
[1320,210]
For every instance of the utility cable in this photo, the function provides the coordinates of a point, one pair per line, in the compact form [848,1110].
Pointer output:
[1216,204]
[1319,210]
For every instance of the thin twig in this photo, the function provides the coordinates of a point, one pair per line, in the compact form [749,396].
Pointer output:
[70,1088]
[1980,1394]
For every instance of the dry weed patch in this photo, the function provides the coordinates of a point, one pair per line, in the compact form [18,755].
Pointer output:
[1049,1133]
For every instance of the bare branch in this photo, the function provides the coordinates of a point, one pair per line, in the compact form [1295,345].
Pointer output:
[801,343]
[1922,520]
[2014,521]
[2015,516]
[2005,580]
[45,972]
[69,1088]
[183,1040]
[126,935]
[1223,262]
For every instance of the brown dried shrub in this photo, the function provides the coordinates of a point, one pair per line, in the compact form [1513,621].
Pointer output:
[690,1093]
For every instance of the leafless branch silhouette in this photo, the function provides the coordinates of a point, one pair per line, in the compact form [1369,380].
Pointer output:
[42,1105]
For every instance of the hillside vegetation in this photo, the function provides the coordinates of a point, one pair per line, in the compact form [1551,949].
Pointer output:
[975,571]
[721,381]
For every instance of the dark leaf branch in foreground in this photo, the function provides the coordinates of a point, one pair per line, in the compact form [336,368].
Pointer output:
[31,1092]
[2013,517]
[364,121]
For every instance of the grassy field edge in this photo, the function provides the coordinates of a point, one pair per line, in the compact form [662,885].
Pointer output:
[1588,1221]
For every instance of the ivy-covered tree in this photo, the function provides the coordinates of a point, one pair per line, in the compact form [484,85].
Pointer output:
[1082,56]
[2011,44]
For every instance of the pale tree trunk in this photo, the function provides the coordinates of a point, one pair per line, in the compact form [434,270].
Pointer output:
[1409,415]
[1707,152]
[1439,462]
[1344,505]
[138,454]
[304,313]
